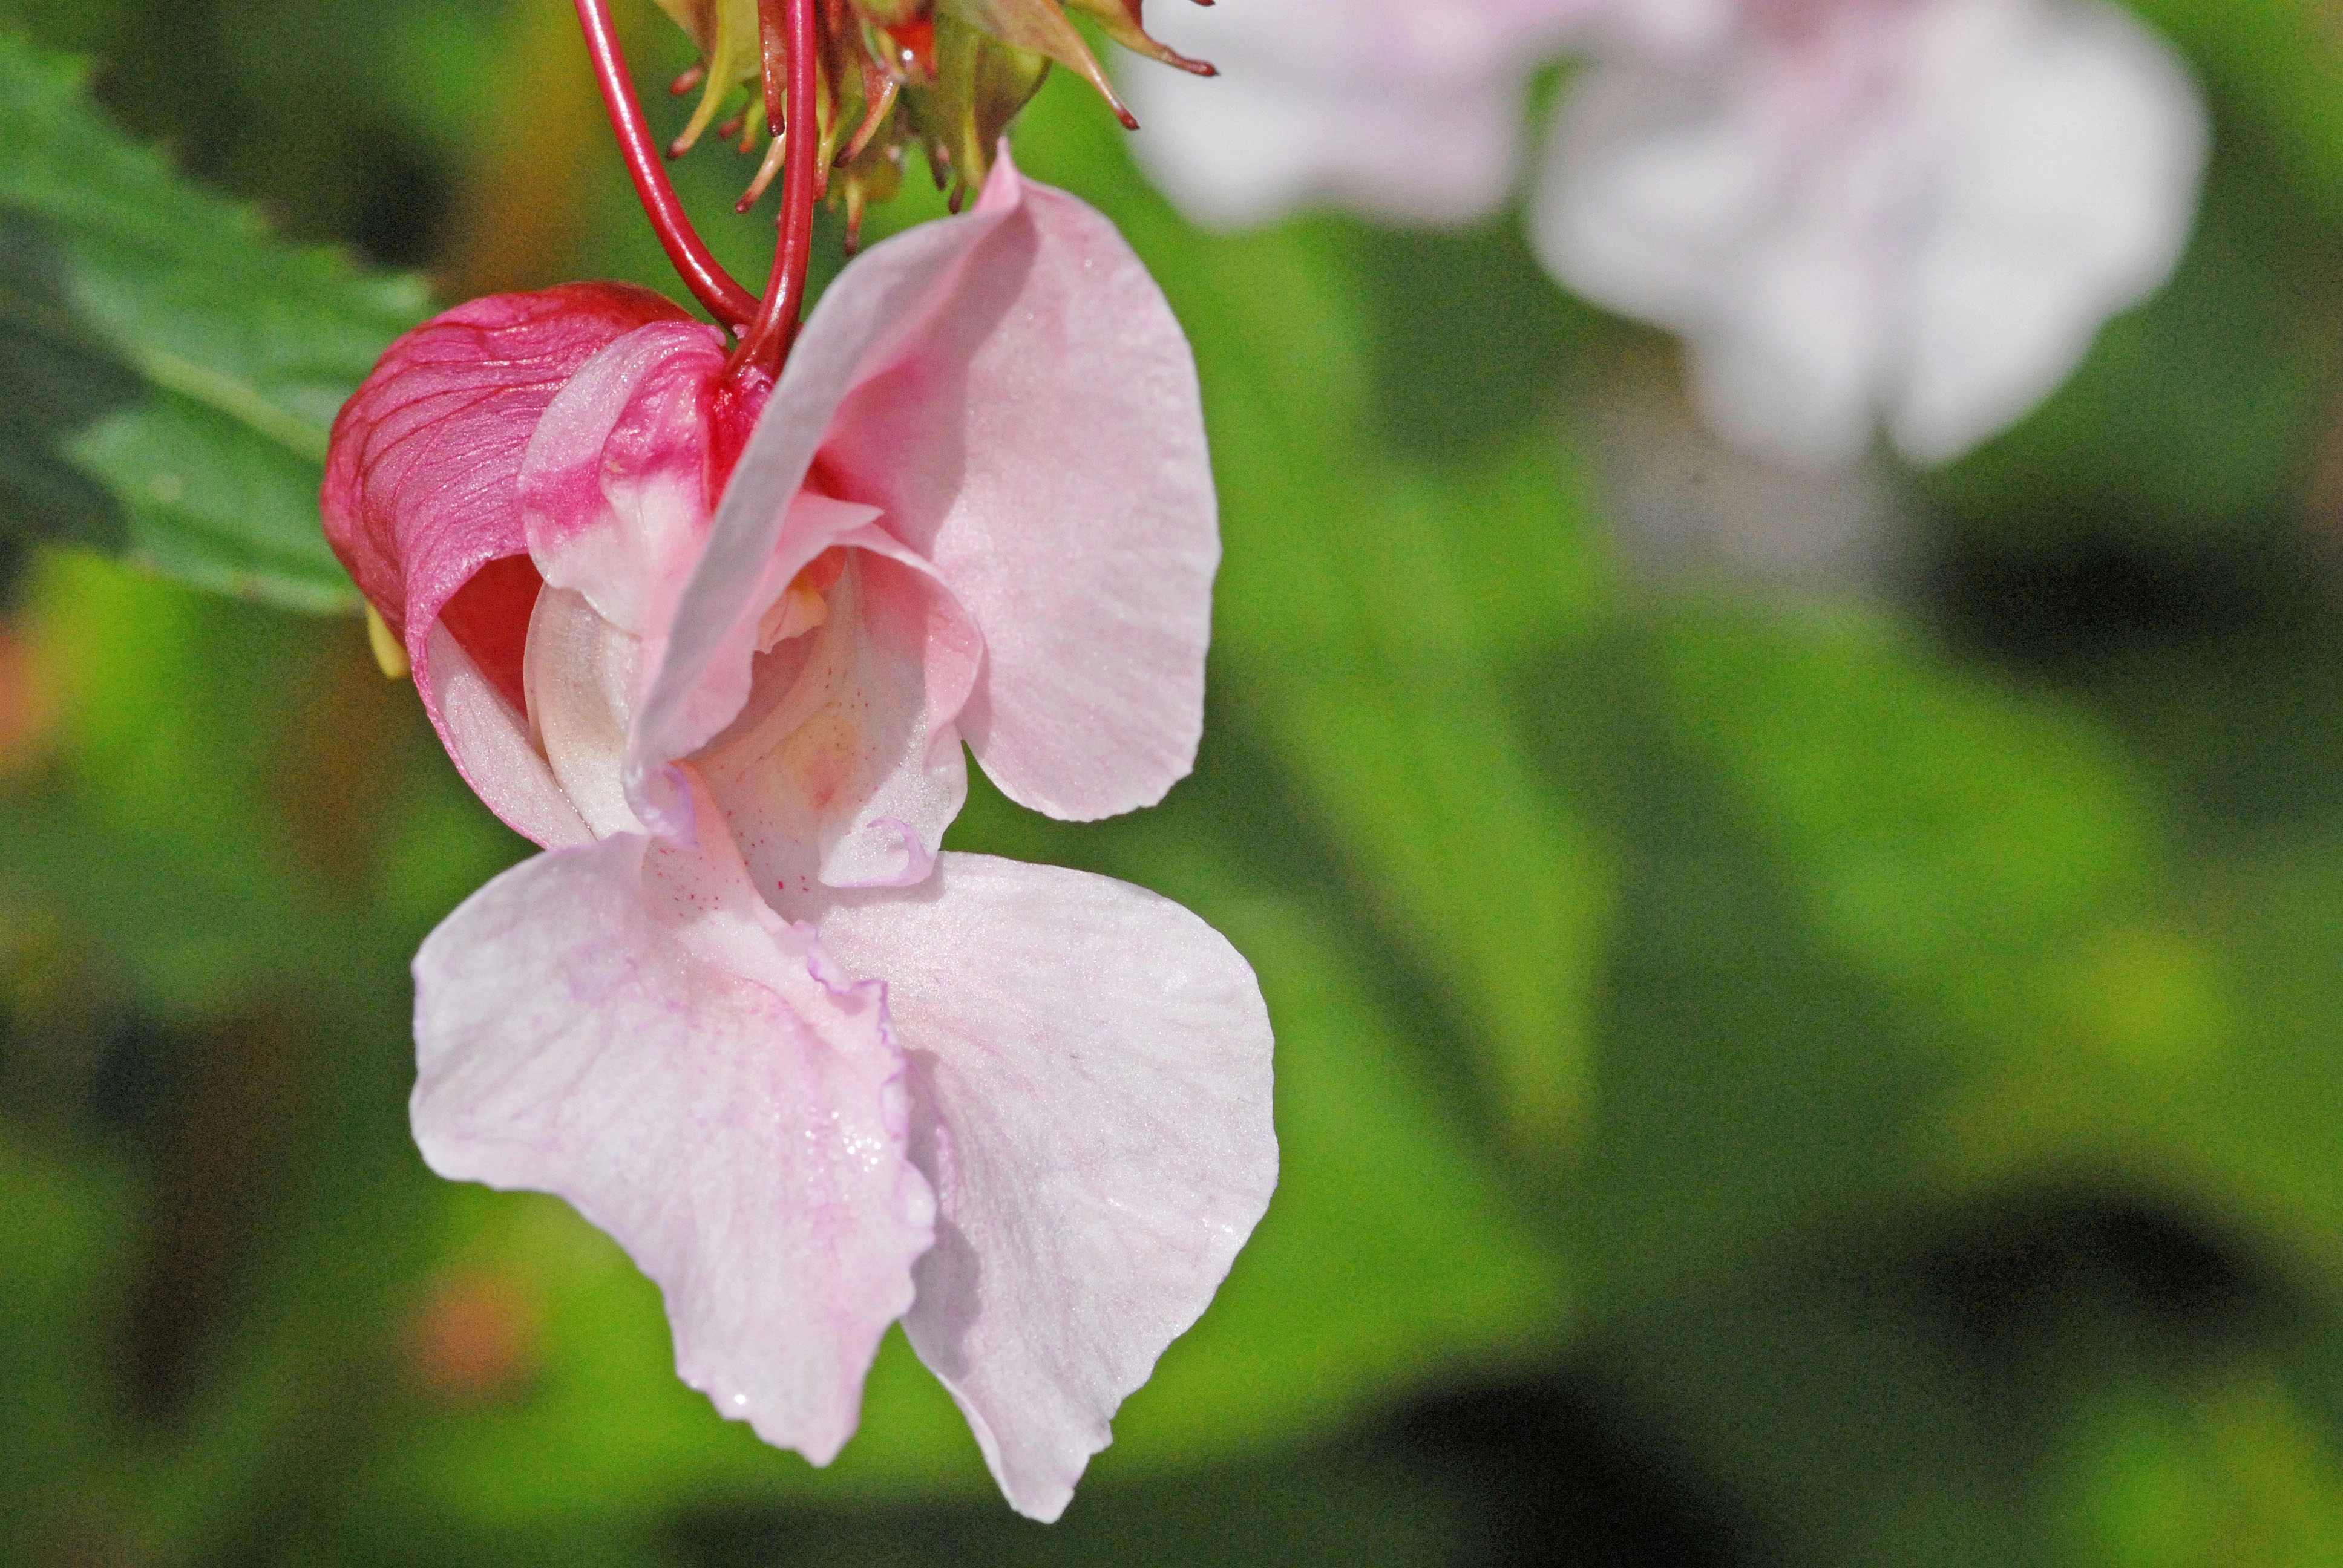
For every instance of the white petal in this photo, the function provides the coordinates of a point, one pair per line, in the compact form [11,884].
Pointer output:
[1091,1083]
[626,1025]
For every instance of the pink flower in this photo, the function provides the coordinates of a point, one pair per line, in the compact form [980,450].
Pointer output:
[1918,212]
[1915,211]
[813,1074]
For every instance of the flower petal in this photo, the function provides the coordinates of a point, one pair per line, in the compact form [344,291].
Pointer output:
[765,532]
[614,486]
[421,489]
[2067,197]
[489,741]
[1040,440]
[1091,1086]
[1924,210]
[582,675]
[845,767]
[1399,109]
[626,1025]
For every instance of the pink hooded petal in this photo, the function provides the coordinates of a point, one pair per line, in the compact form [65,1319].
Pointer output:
[614,486]
[421,491]
[624,1024]
[1091,1086]
[845,767]
[1040,440]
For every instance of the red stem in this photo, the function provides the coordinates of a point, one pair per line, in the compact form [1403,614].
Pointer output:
[710,284]
[766,342]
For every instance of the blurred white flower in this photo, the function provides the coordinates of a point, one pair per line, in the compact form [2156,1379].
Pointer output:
[1914,210]
[1406,109]
[1918,212]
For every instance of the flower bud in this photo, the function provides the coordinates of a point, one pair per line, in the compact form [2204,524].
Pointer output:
[947,75]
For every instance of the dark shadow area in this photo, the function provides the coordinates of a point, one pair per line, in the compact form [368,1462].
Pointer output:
[54,383]
[1560,1477]
[2001,1275]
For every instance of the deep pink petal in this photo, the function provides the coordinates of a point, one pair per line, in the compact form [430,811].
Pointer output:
[421,488]
[624,1024]
[1091,1101]
[1040,440]
[614,486]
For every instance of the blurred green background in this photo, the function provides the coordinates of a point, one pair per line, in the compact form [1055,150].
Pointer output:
[1810,1014]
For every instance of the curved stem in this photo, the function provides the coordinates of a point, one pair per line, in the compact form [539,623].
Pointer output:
[701,273]
[766,342]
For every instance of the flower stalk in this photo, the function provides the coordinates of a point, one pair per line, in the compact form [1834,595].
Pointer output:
[766,343]
[714,288]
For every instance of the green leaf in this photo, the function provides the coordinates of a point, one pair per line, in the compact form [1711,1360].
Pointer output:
[172,369]
[60,1273]
[1949,837]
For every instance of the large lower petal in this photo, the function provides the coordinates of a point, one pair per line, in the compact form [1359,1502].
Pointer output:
[626,1025]
[1091,1102]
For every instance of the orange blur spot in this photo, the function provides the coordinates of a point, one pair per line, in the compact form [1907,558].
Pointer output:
[28,702]
[478,1337]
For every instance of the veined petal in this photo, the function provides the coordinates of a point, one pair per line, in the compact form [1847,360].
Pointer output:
[626,1025]
[421,500]
[1091,1102]
[1040,440]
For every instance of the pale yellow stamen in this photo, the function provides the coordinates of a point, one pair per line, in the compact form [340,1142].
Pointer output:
[800,610]
[387,652]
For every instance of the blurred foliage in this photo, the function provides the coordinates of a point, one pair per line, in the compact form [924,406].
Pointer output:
[171,370]
[1839,1074]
